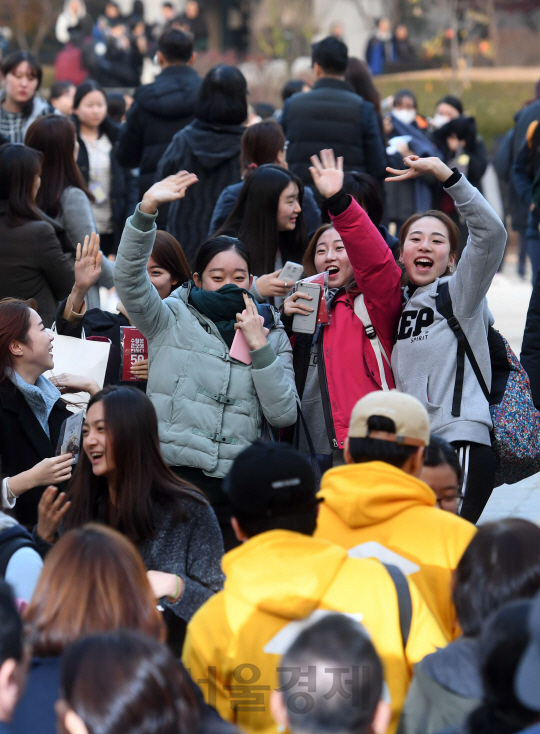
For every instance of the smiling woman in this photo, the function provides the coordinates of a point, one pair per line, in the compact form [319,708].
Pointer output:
[268,218]
[337,366]
[210,405]
[31,411]
[423,357]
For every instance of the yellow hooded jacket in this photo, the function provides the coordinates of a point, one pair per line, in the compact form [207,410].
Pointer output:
[375,510]
[275,582]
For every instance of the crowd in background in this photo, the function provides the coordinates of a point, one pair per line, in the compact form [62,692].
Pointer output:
[267,525]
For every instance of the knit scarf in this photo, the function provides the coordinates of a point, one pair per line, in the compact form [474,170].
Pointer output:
[41,397]
[221,307]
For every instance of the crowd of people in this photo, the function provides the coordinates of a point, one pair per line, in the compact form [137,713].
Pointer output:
[264,518]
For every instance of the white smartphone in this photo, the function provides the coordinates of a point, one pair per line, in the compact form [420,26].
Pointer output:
[306,324]
[291,272]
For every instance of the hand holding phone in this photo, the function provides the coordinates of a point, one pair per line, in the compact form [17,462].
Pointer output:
[307,323]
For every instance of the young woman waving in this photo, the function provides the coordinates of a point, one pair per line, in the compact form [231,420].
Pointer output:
[337,366]
[210,406]
[424,358]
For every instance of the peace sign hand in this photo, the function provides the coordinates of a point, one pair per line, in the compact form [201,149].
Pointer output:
[418,167]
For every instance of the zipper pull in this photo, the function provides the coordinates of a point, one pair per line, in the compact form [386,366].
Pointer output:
[335,443]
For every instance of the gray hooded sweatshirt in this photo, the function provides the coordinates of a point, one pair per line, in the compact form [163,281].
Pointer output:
[424,356]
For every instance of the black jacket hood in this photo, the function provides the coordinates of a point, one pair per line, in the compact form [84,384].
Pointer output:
[213,144]
[173,94]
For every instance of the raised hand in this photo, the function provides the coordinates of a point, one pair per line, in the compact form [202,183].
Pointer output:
[88,262]
[418,167]
[327,174]
[169,189]
[51,510]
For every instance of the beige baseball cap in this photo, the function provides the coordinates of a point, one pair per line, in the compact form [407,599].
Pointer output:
[408,413]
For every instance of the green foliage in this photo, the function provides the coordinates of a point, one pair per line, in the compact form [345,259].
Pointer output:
[493,104]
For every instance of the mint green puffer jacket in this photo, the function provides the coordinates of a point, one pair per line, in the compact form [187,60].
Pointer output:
[210,407]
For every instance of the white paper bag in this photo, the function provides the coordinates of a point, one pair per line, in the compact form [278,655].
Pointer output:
[79,357]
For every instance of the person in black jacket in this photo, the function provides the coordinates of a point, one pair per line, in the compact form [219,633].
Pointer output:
[209,147]
[160,110]
[331,115]
[114,188]
[31,410]
[530,349]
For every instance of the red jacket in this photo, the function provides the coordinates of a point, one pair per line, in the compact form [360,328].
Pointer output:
[350,363]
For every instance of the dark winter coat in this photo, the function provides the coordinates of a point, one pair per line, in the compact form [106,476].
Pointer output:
[124,188]
[158,112]
[530,350]
[519,210]
[37,262]
[227,200]
[212,153]
[465,129]
[24,443]
[331,115]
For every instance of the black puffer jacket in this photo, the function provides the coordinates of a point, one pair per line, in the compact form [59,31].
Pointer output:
[124,189]
[333,116]
[212,153]
[158,112]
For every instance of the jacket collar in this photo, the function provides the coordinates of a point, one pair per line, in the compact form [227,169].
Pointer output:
[332,83]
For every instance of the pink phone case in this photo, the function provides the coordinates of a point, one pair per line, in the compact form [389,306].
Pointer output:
[239,348]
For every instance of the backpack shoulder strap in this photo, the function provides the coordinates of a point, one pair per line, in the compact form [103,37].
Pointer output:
[443,302]
[360,310]
[404,600]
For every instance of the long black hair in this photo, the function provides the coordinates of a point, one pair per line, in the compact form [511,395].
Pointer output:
[19,167]
[142,477]
[254,219]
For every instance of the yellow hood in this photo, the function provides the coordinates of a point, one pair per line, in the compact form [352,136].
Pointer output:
[283,573]
[366,494]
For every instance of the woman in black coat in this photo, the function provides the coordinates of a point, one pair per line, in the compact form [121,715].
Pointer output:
[37,259]
[209,147]
[31,410]
[114,188]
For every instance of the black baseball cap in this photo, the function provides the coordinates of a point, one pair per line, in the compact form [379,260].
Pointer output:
[527,678]
[270,479]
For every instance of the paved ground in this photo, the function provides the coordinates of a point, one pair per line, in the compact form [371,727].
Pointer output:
[509,299]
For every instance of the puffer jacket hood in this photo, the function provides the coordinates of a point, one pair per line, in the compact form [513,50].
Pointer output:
[212,145]
[298,572]
[171,94]
[366,494]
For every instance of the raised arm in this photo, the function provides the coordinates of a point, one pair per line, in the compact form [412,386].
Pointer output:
[376,273]
[483,254]
[139,297]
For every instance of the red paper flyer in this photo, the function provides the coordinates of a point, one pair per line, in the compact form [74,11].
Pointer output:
[134,348]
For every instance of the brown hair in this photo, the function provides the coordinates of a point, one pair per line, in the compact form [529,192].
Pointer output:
[93,580]
[308,261]
[14,326]
[261,143]
[169,255]
[54,136]
[453,231]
